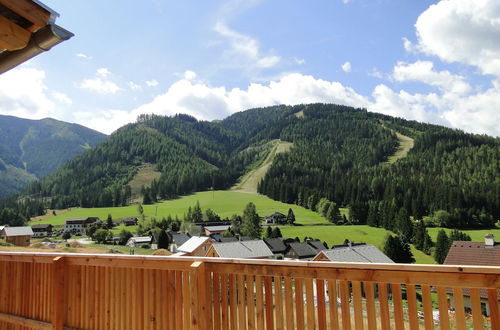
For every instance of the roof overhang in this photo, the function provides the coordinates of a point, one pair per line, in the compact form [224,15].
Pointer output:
[26,29]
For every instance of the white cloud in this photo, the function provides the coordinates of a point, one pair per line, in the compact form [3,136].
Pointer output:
[299,61]
[133,85]
[409,46]
[189,75]
[346,67]
[103,72]
[423,71]
[245,48]
[23,93]
[465,31]
[62,98]
[152,83]
[375,73]
[101,84]
[81,55]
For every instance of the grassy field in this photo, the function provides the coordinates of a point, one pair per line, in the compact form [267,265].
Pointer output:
[224,203]
[333,235]
[250,180]
[477,235]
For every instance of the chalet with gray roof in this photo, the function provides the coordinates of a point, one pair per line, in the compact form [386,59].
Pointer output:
[176,240]
[317,245]
[255,249]
[362,253]
[277,245]
[19,236]
[209,230]
[277,218]
[138,241]
[302,250]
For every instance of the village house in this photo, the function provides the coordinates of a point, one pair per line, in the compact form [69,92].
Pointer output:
[296,250]
[360,252]
[485,253]
[19,236]
[255,249]
[78,226]
[139,241]
[196,246]
[129,221]
[176,240]
[209,230]
[42,230]
[277,245]
[276,218]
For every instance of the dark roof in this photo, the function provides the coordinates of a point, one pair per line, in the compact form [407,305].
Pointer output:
[41,226]
[317,245]
[128,219]
[473,254]
[275,244]
[179,238]
[276,214]
[82,220]
[357,253]
[302,250]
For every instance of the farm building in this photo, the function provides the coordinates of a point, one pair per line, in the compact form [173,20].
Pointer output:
[19,236]
[276,218]
[209,230]
[298,250]
[129,221]
[42,230]
[78,226]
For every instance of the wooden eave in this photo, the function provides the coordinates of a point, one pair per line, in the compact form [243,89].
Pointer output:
[13,36]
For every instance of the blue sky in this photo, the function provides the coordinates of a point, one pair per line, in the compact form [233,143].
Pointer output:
[432,61]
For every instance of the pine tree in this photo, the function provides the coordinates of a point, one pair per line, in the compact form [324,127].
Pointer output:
[442,247]
[269,232]
[251,222]
[290,219]
[197,215]
[163,240]
[276,232]
[109,222]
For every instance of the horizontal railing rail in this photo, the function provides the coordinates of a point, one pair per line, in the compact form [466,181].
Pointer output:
[83,291]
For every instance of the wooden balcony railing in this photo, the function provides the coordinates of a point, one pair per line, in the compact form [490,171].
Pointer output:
[76,291]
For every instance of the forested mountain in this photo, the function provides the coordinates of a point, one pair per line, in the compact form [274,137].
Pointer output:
[339,158]
[31,149]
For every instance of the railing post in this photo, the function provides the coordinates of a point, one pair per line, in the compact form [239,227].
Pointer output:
[58,294]
[200,313]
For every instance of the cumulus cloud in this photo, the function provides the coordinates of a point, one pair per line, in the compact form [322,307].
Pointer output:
[23,93]
[152,83]
[245,48]
[465,31]
[346,67]
[133,85]
[423,71]
[101,83]
[189,75]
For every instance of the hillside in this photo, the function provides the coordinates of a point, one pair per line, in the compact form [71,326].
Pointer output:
[341,156]
[31,149]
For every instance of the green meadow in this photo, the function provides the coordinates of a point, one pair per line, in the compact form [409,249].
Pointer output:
[334,235]
[477,235]
[225,203]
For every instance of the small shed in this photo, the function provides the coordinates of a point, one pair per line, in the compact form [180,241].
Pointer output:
[19,236]
[138,241]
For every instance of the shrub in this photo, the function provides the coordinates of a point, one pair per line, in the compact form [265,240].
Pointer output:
[145,246]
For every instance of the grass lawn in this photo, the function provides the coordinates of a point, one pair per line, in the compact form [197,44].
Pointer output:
[224,203]
[477,235]
[334,235]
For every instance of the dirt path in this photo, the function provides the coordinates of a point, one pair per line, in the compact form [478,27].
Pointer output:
[250,180]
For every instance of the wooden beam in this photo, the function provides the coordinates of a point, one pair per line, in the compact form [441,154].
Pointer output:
[24,321]
[58,293]
[12,36]
[34,13]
